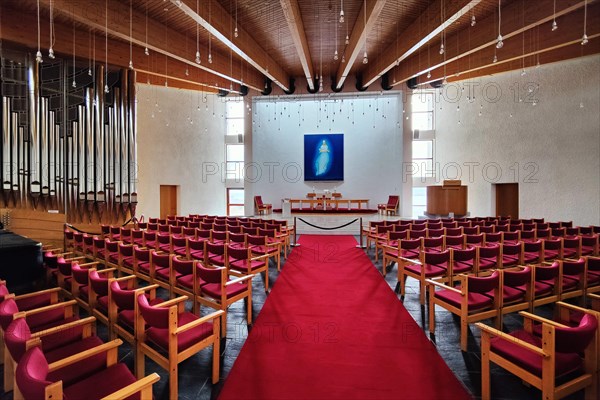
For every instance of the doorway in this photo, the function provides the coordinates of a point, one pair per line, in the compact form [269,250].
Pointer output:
[507,199]
[168,200]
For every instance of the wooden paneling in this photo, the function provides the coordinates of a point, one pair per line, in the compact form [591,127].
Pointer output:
[442,200]
[168,200]
[41,226]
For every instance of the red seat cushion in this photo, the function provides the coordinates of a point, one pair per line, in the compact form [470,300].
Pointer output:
[187,281]
[510,260]
[29,303]
[569,253]
[160,337]
[56,340]
[217,260]
[531,257]
[565,363]
[242,265]
[180,251]
[542,288]
[487,263]
[430,270]
[128,261]
[510,294]
[462,266]
[144,267]
[163,273]
[100,384]
[80,369]
[477,301]
[214,289]
[550,254]
[46,318]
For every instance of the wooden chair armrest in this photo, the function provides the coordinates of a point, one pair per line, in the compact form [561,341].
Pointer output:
[75,258]
[577,308]
[138,386]
[39,293]
[443,286]
[63,327]
[238,280]
[48,308]
[411,260]
[200,321]
[261,257]
[106,270]
[172,302]
[537,318]
[124,278]
[90,264]
[512,339]
[387,246]
[114,344]
[593,296]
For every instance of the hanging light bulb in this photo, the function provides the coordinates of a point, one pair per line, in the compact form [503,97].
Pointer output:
[146,51]
[442,48]
[428,74]
[581,105]
[495,60]
[473,20]
[554,26]
[347,39]
[341,16]
[444,81]
[584,40]
[499,42]
[335,55]
[187,71]
[51,53]
[198,57]
[209,58]
[523,72]
[106,89]
[235,32]
[90,72]
[74,84]
[38,57]
[321,85]
[365,59]
[343,58]
[130,64]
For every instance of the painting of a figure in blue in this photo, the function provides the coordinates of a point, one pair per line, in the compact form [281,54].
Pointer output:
[324,157]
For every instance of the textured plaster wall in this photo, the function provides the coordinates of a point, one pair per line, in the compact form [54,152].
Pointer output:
[179,144]
[552,148]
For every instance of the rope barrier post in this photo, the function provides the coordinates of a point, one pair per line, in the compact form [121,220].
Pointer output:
[360,246]
[295,244]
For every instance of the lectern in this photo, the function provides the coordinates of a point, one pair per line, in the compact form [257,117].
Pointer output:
[451,197]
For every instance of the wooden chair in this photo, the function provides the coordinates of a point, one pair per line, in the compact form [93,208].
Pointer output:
[242,262]
[405,251]
[262,208]
[430,265]
[169,335]
[391,207]
[32,377]
[561,352]
[471,301]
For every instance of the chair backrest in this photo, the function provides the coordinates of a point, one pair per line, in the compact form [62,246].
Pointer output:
[483,284]
[209,275]
[7,309]
[464,255]
[573,267]
[31,374]
[157,317]
[393,201]
[123,298]
[512,249]
[64,266]
[98,283]
[546,273]
[475,238]
[161,260]
[489,251]
[141,254]
[16,337]
[411,244]
[575,340]
[238,253]
[80,275]
[182,266]
[214,248]
[532,246]
[436,258]
[514,278]
[493,237]
[258,201]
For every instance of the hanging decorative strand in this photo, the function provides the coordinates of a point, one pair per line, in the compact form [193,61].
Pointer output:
[90,54]
[146,51]
[106,90]
[38,55]
[198,61]
[74,83]
[443,30]
[235,31]
[52,38]
[130,34]
[167,44]
[320,53]
[209,35]
[584,38]
[499,42]
[335,54]
[341,11]
[365,58]
[473,20]
[554,24]
[347,37]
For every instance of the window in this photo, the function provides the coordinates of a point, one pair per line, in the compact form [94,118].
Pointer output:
[419,201]
[235,202]
[234,155]
[422,111]
[234,150]
[422,153]
[235,116]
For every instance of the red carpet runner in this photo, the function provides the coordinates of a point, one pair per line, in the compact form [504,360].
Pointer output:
[333,329]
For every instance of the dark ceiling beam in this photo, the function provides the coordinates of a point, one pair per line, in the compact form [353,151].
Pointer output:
[412,38]
[244,45]
[359,34]
[167,42]
[291,10]
[517,17]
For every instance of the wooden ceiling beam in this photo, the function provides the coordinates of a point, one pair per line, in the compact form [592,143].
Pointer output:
[529,46]
[360,31]
[291,10]
[244,45]
[517,17]
[413,38]
[158,66]
[160,40]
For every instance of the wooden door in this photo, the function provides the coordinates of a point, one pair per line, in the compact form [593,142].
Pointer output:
[168,200]
[507,199]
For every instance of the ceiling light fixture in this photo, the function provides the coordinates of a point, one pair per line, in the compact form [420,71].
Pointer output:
[198,61]
[365,58]
[584,38]
[52,38]
[130,34]
[74,83]
[554,24]
[209,35]
[443,30]
[499,42]
[235,31]
[146,51]
[38,55]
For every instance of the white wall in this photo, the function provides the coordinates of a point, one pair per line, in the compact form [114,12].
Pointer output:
[552,149]
[372,129]
[176,140]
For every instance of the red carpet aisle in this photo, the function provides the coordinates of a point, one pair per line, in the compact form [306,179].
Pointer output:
[320,336]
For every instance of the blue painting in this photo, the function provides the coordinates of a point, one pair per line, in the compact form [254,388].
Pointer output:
[324,157]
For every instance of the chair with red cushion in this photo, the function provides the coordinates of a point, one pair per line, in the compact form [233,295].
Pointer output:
[141,263]
[546,284]
[80,281]
[19,338]
[160,269]
[391,240]
[471,300]
[405,250]
[558,232]
[474,230]
[433,244]
[163,242]
[593,275]
[378,233]
[179,245]
[488,257]
[99,250]
[260,245]
[495,237]
[98,292]
[487,229]
[553,249]
[219,292]
[150,239]
[435,225]
[533,252]
[589,245]
[391,207]
[455,242]
[528,236]
[454,231]
[168,334]
[511,254]
[38,379]
[430,265]
[511,237]
[573,278]
[126,258]
[111,253]
[517,290]
[464,261]
[137,237]
[215,254]
[475,239]
[220,237]
[572,247]
[88,245]
[261,207]
[242,262]
[561,362]
[417,233]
